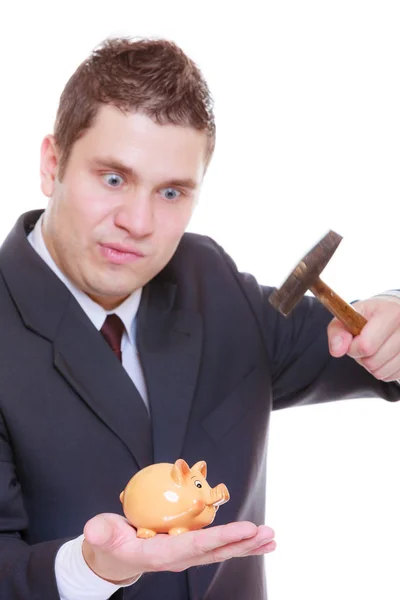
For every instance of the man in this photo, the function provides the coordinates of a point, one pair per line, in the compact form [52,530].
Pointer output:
[200,361]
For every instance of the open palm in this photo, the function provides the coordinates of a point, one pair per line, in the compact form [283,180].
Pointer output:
[114,552]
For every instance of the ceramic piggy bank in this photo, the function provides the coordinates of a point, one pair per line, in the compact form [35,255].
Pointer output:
[171,498]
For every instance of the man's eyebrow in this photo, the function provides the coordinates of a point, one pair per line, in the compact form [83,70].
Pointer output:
[112,164]
[186,183]
[115,165]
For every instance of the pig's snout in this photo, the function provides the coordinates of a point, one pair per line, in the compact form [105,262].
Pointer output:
[219,495]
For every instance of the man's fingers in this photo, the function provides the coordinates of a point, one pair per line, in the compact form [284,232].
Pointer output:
[377,330]
[241,548]
[206,540]
[264,549]
[385,364]
[216,544]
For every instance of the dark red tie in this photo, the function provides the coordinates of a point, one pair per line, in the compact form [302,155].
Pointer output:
[112,330]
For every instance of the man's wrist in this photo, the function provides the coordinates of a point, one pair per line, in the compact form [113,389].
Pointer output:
[88,555]
[75,579]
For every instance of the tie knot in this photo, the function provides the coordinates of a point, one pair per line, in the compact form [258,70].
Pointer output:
[112,330]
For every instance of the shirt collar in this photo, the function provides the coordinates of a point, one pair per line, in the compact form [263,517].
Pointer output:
[97,314]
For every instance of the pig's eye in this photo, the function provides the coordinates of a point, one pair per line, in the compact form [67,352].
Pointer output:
[197,483]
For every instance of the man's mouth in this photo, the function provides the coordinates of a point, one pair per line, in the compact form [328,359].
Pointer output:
[120,254]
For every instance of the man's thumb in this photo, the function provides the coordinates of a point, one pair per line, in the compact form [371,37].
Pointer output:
[99,531]
[339,338]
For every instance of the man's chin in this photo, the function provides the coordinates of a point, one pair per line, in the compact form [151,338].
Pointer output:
[110,298]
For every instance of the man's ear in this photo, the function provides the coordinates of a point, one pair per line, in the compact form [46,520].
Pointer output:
[48,165]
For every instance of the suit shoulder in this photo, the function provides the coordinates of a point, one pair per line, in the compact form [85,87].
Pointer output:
[201,249]
[199,262]
[197,241]
[199,258]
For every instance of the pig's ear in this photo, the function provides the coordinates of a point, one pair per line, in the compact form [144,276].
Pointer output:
[202,467]
[179,471]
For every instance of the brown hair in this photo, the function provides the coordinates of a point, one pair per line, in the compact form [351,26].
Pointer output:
[154,77]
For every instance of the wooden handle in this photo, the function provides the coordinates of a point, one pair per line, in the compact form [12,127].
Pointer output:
[350,318]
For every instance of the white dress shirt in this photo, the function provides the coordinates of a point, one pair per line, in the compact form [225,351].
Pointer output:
[75,580]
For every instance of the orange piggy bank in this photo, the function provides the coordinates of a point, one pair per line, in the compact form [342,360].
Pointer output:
[171,498]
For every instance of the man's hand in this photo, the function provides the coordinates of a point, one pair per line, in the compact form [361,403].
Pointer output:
[377,348]
[112,550]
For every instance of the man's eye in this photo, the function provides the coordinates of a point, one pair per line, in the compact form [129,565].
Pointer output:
[170,193]
[113,180]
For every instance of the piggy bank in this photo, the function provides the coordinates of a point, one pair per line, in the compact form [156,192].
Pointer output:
[171,498]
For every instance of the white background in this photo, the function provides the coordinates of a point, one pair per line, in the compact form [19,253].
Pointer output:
[307,100]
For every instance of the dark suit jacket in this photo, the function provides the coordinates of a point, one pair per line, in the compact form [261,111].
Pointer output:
[73,429]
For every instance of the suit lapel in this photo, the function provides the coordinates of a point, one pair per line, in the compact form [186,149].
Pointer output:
[85,360]
[169,344]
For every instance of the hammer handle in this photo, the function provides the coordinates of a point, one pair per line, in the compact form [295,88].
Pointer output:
[350,318]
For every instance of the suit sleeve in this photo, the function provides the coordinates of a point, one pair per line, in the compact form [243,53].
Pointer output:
[301,367]
[26,571]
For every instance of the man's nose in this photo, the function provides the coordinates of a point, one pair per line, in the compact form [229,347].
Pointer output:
[136,216]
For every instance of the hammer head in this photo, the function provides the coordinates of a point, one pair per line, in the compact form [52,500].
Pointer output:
[305,274]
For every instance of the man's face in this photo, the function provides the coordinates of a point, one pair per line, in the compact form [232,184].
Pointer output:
[126,197]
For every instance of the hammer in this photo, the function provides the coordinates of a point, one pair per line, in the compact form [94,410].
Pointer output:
[306,277]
